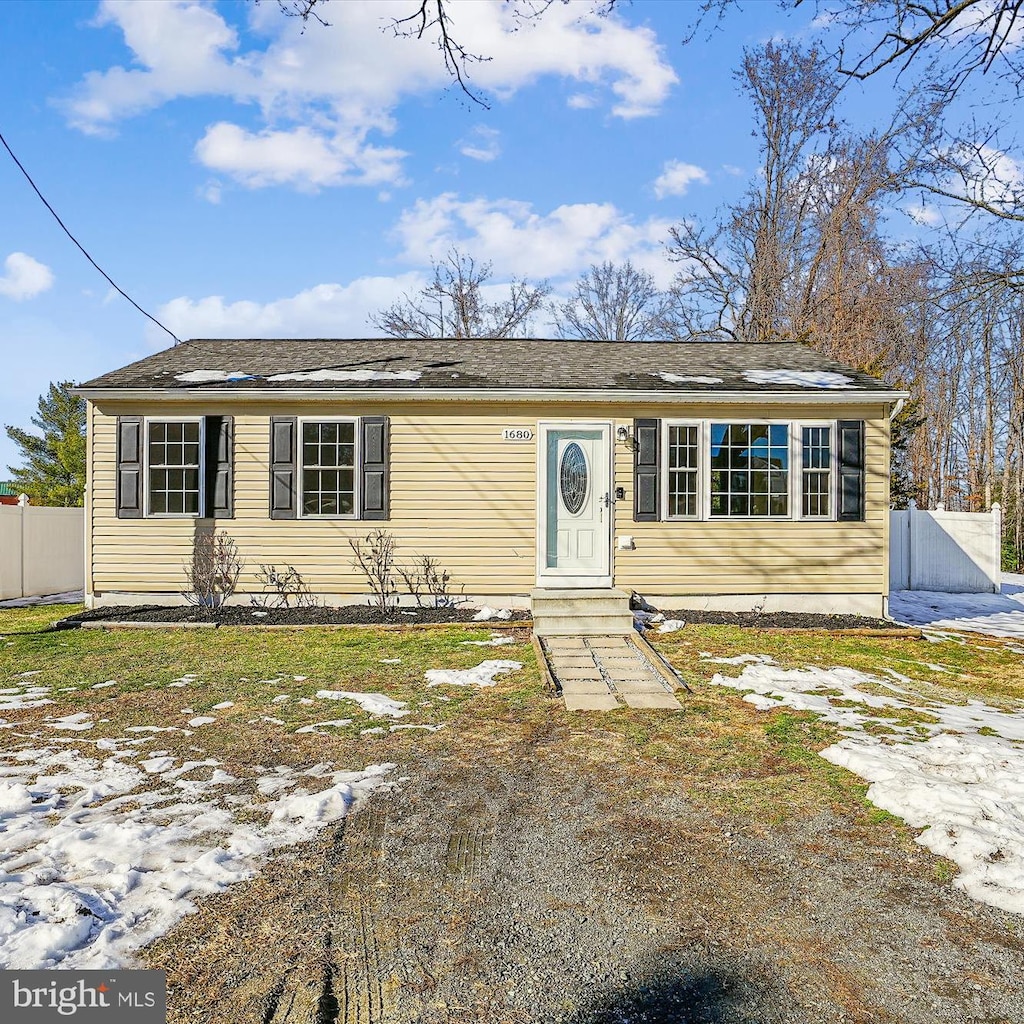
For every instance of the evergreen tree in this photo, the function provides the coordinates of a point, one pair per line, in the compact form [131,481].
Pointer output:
[53,470]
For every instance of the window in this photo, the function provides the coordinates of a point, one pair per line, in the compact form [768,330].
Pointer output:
[683,470]
[328,468]
[749,469]
[173,459]
[816,472]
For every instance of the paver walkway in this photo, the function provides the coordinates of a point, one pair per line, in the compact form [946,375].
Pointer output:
[594,671]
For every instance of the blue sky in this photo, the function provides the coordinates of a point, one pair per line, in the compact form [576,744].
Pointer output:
[240,178]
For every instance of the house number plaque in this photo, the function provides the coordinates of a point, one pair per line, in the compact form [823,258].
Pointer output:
[517,434]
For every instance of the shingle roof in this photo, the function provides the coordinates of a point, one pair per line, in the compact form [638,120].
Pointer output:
[242,365]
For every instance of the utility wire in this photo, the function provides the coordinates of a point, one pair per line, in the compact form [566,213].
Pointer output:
[110,280]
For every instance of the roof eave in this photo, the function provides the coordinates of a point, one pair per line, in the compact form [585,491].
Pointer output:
[837,396]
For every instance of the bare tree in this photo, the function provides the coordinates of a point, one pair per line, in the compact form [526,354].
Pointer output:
[454,305]
[615,302]
[801,256]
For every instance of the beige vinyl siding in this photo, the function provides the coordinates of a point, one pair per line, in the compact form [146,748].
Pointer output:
[737,556]
[466,497]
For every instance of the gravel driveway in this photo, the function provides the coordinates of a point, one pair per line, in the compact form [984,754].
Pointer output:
[539,883]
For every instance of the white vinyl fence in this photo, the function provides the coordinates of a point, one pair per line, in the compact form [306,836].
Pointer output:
[952,552]
[42,550]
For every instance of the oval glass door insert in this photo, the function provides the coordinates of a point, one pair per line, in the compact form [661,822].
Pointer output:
[573,478]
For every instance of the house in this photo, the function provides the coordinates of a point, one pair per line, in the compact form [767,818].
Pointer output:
[712,475]
[8,493]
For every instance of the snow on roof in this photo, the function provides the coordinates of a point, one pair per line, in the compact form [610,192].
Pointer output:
[678,378]
[801,378]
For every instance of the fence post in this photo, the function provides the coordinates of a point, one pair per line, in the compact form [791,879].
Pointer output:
[911,512]
[997,540]
[23,500]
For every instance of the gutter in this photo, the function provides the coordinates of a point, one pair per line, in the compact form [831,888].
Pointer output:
[817,396]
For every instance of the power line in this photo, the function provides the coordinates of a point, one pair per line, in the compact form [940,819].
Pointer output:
[110,280]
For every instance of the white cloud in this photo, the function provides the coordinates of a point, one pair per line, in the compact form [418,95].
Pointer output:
[520,241]
[301,157]
[924,215]
[323,311]
[24,277]
[676,177]
[482,144]
[321,93]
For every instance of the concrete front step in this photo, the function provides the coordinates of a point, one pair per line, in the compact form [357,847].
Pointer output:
[585,612]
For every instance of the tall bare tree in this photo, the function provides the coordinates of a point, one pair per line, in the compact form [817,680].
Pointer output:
[455,305]
[615,302]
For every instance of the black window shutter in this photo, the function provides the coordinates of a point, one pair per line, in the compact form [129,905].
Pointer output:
[851,470]
[129,467]
[647,471]
[373,467]
[283,475]
[220,437]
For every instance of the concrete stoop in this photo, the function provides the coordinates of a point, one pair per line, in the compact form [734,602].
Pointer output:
[597,612]
[593,673]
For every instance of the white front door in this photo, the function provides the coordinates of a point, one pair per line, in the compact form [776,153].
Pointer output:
[575,512]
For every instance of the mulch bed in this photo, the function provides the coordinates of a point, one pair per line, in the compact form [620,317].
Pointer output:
[355,614]
[352,614]
[784,620]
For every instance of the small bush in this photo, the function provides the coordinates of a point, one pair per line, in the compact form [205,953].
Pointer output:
[282,588]
[212,572]
[375,557]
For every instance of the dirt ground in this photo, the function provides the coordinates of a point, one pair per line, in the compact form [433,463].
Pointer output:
[533,884]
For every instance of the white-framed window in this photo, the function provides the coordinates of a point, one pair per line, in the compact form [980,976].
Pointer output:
[817,476]
[749,466]
[682,455]
[748,469]
[174,466]
[328,458]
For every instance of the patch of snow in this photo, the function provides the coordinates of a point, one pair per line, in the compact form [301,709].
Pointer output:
[96,863]
[78,722]
[671,625]
[497,640]
[377,730]
[67,597]
[485,674]
[201,720]
[281,698]
[103,686]
[391,661]
[801,378]
[675,378]
[29,697]
[315,727]
[428,728]
[964,787]
[999,614]
[371,703]
[212,376]
[740,659]
[223,705]
[355,375]
[487,612]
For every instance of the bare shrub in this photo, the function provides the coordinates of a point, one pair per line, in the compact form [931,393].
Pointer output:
[212,572]
[375,558]
[425,575]
[282,588]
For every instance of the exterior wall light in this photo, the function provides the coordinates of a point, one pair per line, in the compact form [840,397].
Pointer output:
[622,434]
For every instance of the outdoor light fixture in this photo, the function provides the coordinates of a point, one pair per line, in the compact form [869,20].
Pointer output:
[622,434]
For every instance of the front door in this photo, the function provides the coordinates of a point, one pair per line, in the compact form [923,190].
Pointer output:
[575,525]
